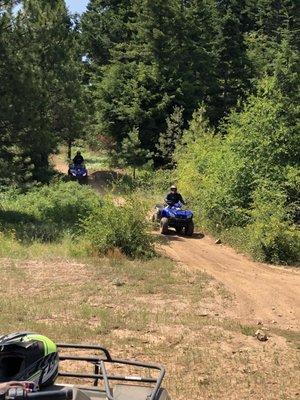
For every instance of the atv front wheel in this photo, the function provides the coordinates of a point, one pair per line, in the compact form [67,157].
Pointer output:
[164,225]
[189,229]
[155,218]
[179,230]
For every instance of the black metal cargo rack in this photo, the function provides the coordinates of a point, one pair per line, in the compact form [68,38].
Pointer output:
[100,374]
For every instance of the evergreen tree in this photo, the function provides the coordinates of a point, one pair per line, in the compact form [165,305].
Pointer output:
[233,67]
[274,22]
[169,139]
[165,59]
[42,98]
[131,153]
[104,25]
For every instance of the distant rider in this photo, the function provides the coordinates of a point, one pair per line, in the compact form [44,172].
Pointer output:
[174,197]
[78,159]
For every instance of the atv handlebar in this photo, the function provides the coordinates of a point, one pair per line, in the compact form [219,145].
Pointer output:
[17,393]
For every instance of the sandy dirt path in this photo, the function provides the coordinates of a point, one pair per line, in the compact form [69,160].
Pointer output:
[261,292]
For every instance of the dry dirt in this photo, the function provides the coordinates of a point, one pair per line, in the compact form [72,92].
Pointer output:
[261,292]
[207,344]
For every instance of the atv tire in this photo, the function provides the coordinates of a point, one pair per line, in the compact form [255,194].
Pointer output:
[189,229]
[155,217]
[179,230]
[164,225]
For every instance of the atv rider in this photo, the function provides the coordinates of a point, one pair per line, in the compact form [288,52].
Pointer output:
[174,197]
[78,159]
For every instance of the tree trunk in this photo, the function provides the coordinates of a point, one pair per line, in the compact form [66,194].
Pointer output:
[69,149]
[133,173]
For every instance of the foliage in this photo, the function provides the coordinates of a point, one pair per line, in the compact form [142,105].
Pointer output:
[273,236]
[131,153]
[244,184]
[130,75]
[232,66]
[112,227]
[146,61]
[169,138]
[42,98]
[48,212]
[70,213]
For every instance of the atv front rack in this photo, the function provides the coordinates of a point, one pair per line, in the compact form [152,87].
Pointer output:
[100,374]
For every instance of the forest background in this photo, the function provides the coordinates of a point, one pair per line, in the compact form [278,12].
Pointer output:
[203,93]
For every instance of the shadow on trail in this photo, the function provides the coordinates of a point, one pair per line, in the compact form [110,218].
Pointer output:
[175,237]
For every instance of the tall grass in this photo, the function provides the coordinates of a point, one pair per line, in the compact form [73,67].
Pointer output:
[73,219]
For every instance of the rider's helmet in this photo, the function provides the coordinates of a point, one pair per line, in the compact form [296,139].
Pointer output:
[173,187]
[28,356]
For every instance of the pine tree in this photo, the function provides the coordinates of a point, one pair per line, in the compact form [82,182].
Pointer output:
[41,91]
[163,57]
[104,26]
[274,22]
[233,67]
[131,153]
[170,138]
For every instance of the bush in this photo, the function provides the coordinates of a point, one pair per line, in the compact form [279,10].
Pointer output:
[59,211]
[214,180]
[272,237]
[45,213]
[244,185]
[157,181]
[112,227]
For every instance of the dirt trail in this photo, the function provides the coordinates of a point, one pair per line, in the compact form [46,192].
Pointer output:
[261,292]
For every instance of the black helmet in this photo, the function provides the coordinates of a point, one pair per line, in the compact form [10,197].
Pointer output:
[28,356]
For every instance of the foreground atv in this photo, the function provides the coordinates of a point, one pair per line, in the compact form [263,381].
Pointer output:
[78,173]
[103,384]
[173,216]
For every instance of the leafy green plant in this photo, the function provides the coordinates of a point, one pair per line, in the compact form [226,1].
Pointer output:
[244,185]
[111,227]
[45,213]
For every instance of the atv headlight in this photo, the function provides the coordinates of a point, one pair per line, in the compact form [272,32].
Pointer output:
[84,174]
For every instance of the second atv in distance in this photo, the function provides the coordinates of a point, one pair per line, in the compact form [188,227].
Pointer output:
[173,216]
[78,172]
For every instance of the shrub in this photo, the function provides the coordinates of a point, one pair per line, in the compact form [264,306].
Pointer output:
[45,213]
[272,237]
[214,180]
[245,184]
[111,227]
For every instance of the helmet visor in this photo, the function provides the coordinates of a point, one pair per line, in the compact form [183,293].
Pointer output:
[10,366]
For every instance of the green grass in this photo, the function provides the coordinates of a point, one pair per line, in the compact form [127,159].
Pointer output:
[66,248]
[69,215]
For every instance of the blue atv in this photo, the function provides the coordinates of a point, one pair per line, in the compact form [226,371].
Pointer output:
[78,172]
[173,216]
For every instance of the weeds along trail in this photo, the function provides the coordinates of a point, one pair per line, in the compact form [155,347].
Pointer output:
[261,292]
